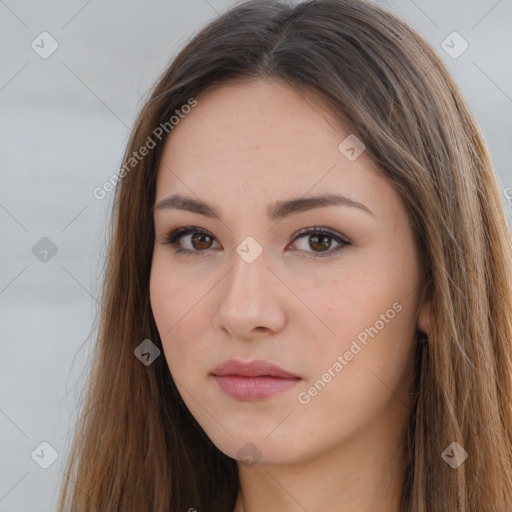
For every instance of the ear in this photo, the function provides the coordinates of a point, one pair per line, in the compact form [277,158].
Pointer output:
[423,322]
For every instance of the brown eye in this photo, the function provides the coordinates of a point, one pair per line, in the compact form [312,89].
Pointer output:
[319,241]
[200,241]
[196,239]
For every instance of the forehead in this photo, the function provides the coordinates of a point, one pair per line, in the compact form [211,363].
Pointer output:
[263,139]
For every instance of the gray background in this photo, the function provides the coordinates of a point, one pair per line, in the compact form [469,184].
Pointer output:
[65,122]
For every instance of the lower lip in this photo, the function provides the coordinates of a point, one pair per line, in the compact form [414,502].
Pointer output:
[253,388]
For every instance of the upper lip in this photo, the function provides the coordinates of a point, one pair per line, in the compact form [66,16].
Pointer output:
[257,368]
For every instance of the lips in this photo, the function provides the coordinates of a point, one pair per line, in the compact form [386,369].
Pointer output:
[252,381]
[257,368]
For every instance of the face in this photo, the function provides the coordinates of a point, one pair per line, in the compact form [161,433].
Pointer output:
[328,293]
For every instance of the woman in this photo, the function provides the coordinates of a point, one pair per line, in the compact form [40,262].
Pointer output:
[307,302]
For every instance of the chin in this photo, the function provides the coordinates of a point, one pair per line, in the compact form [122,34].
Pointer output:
[259,449]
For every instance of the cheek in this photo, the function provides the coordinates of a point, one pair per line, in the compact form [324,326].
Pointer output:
[354,301]
[365,369]
[162,298]
[171,295]
[177,312]
[372,313]
[166,308]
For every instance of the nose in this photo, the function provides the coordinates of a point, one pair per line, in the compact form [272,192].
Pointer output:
[251,300]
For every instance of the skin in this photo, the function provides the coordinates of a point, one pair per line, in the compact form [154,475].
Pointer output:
[244,146]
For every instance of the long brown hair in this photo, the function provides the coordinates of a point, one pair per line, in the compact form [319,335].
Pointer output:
[137,447]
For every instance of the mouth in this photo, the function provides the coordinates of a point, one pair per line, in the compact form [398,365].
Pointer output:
[252,381]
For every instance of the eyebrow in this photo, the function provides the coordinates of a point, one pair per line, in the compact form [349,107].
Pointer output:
[276,211]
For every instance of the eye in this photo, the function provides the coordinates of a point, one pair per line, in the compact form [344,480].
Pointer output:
[199,239]
[319,239]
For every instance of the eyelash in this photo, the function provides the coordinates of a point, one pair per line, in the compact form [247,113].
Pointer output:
[175,236]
